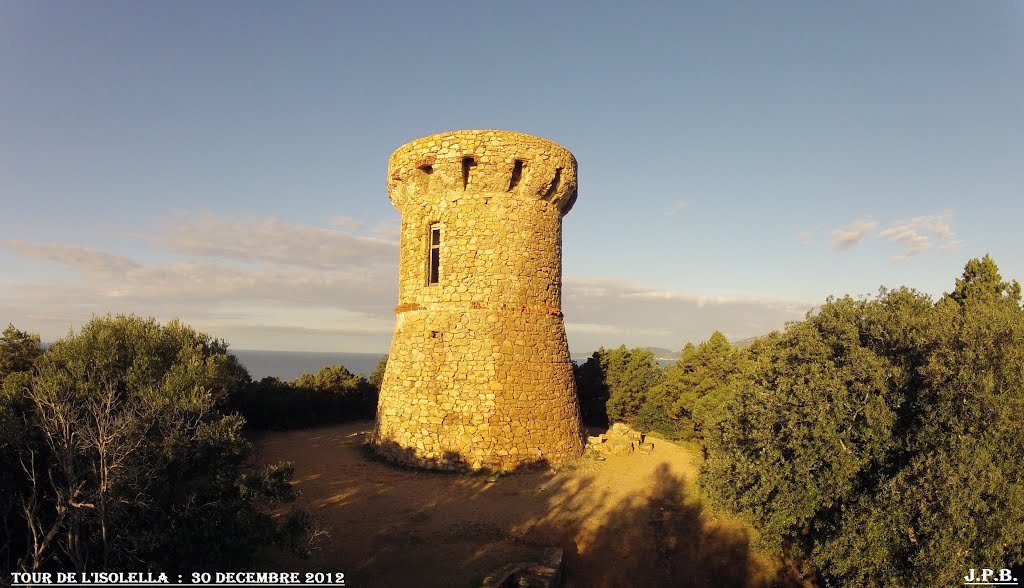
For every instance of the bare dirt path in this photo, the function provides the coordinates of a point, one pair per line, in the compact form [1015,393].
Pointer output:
[629,521]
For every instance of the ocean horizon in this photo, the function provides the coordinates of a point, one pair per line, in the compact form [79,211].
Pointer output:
[288,365]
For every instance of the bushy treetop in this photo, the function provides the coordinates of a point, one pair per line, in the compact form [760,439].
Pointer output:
[879,440]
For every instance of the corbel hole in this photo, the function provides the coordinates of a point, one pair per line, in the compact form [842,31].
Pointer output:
[517,175]
[554,185]
[421,179]
[467,165]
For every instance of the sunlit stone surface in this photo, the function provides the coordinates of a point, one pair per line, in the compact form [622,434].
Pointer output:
[479,373]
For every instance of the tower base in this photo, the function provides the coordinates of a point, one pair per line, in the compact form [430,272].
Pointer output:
[478,388]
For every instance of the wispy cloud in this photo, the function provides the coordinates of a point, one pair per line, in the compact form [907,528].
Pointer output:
[677,207]
[87,261]
[188,284]
[260,280]
[222,274]
[607,312]
[915,235]
[918,234]
[271,240]
[340,220]
[852,234]
[301,304]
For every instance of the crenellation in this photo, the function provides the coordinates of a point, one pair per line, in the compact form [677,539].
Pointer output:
[500,162]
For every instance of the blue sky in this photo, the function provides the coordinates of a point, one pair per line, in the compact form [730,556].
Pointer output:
[225,162]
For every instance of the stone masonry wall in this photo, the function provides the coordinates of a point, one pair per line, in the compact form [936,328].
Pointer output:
[479,374]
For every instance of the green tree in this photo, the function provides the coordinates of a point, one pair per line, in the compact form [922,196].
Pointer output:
[18,352]
[628,374]
[694,383]
[592,390]
[377,375]
[981,282]
[334,378]
[129,460]
[331,395]
[873,438]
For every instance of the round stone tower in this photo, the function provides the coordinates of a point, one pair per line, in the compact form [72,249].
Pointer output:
[479,374]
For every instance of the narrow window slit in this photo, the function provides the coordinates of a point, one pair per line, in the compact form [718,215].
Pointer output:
[517,175]
[434,255]
[554,185]
[467,164]
[435,261]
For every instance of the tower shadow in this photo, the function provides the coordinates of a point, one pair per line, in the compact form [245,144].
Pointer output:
[630,521]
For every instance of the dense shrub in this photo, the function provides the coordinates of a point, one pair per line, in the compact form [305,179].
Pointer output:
[628,385]
[692,385]
[613,384]
[879,441]
[592,391]
[116,455]
[332,395]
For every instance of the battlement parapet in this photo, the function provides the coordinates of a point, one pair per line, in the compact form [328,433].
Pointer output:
[483,162]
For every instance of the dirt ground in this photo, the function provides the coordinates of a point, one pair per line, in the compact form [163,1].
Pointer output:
[628,521]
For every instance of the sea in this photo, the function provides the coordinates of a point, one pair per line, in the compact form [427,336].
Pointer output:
[288,365]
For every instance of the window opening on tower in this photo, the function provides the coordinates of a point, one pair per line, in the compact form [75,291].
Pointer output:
[434,257]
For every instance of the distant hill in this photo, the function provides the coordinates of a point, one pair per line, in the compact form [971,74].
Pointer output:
[663,353]
[744,342]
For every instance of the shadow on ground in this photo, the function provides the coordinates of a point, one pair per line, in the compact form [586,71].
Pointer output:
[627,521]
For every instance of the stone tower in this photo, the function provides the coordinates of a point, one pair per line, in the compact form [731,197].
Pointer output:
[479,374]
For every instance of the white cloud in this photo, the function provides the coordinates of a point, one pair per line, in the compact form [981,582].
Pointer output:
[610,312]
[202,283]
[854,233]
[260,283]
[915,235]
[676,207]
[86,261]
[227,275]
[610,331]
[918,234]
[389,231]
[340,220]
[273,240]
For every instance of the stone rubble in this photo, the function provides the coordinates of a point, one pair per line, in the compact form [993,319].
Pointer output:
[619,440]
[546,573]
